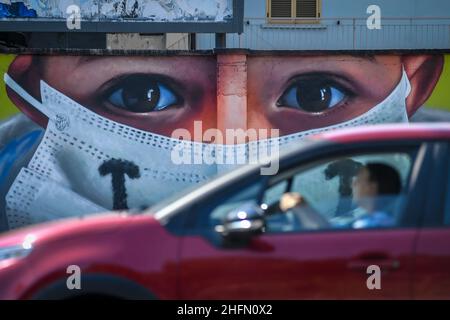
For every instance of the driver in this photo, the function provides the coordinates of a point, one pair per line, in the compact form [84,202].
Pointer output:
[374,185]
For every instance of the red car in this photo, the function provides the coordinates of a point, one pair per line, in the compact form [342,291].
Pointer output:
[230,238]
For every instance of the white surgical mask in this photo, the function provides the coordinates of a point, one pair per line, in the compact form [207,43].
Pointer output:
[86,163]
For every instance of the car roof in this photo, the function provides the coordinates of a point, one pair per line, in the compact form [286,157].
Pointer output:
[404,131]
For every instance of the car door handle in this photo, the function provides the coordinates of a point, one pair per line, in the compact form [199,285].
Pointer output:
[383,261]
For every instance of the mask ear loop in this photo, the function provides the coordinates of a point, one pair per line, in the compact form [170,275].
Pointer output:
[408,84]
[13,85]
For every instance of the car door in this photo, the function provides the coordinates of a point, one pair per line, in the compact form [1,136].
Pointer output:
[290,261]
[431,278]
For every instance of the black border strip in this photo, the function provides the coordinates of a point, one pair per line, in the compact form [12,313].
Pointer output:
[109,52]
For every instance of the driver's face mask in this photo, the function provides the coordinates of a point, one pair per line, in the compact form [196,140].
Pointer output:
[86,163]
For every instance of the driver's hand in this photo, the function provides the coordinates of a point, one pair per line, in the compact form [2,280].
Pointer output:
[290,200]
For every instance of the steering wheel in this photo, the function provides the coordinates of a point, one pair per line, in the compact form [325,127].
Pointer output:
[275,216]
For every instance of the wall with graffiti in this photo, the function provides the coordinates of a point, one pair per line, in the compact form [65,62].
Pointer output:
[153,10]
[99,132]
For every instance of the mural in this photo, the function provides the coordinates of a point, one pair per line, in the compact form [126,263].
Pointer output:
[16,10]
[84,134]
[152,10]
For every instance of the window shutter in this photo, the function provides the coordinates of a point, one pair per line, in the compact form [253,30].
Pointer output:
[280,8]
[306,9]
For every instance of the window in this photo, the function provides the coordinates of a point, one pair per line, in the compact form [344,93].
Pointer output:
[214,210]
[328,187]
[293,11]
[339,194]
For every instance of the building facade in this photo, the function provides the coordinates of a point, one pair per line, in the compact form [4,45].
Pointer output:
[340,25]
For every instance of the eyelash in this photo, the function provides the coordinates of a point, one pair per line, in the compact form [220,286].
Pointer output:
[324,79]
[117,82]
[342,106]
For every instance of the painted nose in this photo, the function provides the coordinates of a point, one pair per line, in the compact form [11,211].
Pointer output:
[232,109]
[231,93]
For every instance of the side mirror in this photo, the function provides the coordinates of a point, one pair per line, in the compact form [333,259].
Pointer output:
[243,223]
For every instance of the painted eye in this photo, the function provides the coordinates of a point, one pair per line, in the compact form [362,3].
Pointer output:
[312,96]
[141,94]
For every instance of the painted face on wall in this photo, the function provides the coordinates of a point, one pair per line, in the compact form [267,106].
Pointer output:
[303,93]
[93,158]
[289,93]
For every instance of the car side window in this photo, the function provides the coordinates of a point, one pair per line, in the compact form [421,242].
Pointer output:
[213,210]
[245,196]
[362,191]
[212,213]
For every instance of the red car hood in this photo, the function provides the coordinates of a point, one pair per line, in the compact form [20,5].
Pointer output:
[98,222]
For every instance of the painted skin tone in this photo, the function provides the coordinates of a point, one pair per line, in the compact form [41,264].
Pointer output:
[289,93]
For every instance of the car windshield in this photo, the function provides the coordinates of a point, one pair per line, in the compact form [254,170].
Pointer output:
[177,195]
[181,193]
